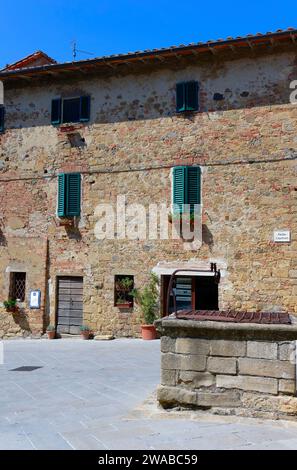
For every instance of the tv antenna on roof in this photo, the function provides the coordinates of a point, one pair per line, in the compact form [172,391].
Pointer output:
[75,51]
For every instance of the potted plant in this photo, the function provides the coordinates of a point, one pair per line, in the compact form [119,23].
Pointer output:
[51,332]
[123,288]
[11,305]
[85,332]
[122,303]
[147,298]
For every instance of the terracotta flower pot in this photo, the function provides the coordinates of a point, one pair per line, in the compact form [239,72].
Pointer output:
[148,332]
[51,334]
[125,305]
[13,309]
[85,334]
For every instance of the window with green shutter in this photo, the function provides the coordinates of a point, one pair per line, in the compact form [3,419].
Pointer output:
[70,110]
[69,188]
[187,96]
[2,113]
[186,187]
[56,111]
[61,211]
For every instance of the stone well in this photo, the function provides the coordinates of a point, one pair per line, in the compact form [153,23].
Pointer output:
[229,368]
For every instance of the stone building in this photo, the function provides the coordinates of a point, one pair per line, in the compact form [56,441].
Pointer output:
[80,134]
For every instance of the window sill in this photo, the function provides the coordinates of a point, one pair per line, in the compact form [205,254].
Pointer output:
[65,221]
[71,127]
[187,113]
[125,306]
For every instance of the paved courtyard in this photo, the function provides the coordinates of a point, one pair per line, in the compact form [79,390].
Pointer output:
[98,395]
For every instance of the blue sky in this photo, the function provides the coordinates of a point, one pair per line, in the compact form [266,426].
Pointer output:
[117,26]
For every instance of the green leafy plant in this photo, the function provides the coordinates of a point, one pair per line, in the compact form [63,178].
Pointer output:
[50,328]
[124,284]
[121,300]
[148,298]
[84,328]
[123,288]
[179,216]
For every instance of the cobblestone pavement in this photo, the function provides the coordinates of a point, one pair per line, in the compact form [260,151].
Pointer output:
[98,395]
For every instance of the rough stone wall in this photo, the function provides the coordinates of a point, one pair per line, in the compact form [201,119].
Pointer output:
[235,375]
[130,144]
[29,255]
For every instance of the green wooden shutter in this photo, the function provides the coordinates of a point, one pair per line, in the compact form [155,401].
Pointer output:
[56,111]
[73,194]
[2,113]
[180,97]
[179,188]
[193,186]
[61,211]
[191,96]
[85,108]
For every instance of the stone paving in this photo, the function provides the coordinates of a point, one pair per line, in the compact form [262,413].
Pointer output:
[99,395]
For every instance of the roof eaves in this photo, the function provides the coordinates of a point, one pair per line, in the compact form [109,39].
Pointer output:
[211,44]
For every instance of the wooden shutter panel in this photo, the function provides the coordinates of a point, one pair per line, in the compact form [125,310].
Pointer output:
[85,102]
[73,194]
[193,186]
[180,97]
[191,93]
[61,195]
[56,111]
[179,189]
[2,113]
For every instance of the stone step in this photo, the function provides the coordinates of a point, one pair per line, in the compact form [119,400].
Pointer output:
[68,336]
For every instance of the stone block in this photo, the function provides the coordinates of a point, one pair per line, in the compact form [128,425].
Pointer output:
[266,368]
[259,402]
[257,384]
[170,361]
[192,346]
[194,380]
[192,362]
[228,348]
[227,398]
[288,406]
[288,387]
[293,273]
[173,396]
[168,344]
[168,377]
[287,351]
[183,362]
[104,337]
[222,365]
[262,349]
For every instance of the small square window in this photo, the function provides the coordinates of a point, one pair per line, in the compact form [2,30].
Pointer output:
[18,286]
[123,286]
[187,97]
[71,110]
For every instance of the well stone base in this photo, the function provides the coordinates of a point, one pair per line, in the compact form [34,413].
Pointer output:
[239,369]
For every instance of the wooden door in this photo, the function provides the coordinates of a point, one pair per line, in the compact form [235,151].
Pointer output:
[70,304]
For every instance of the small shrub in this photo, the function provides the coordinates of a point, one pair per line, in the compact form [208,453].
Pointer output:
[50,328]
[148,298]
[84,328]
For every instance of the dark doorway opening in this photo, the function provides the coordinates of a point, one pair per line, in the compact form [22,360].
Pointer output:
[192,292]
[206,293]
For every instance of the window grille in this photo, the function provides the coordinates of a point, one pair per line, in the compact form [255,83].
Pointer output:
[18,286]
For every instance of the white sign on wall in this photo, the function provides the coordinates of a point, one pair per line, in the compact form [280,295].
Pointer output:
[35,297]
[282,236]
